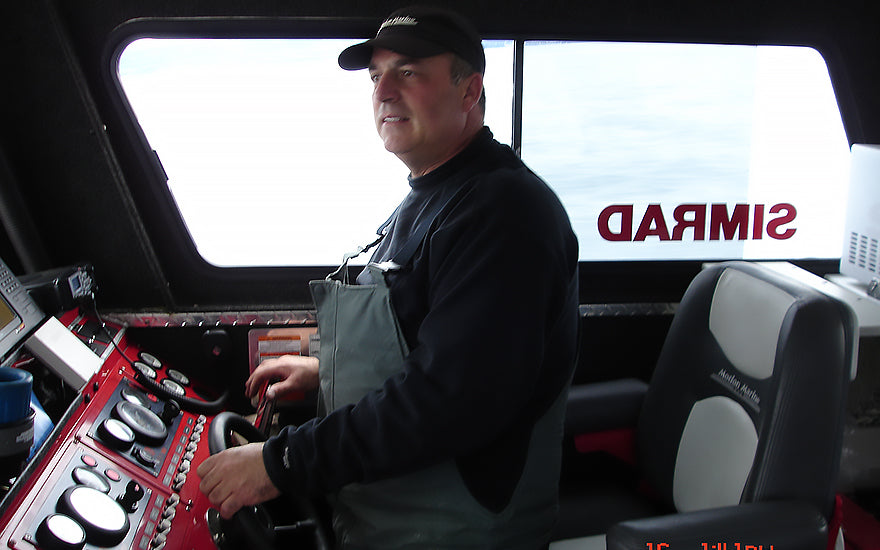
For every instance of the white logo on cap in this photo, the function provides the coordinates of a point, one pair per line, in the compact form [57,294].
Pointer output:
[403,20]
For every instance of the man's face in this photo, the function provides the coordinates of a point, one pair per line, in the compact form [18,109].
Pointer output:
[420,114]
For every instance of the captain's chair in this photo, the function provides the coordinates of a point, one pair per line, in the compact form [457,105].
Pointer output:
[738,436]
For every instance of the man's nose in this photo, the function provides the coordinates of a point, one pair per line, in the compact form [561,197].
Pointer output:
[386,88]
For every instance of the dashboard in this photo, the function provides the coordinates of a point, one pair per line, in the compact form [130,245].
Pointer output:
[118,470]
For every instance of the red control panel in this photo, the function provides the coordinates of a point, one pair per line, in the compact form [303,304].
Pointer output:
[119,471]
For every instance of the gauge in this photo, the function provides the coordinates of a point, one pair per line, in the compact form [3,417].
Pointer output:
[173,387]
[178,377]
[116,434]
[102,518]
[60,532]
[90,478]
[148,428]
[145,369]
[150,360]
[133,396]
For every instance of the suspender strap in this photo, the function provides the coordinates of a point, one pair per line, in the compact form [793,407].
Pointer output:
[342,270]
[381,231]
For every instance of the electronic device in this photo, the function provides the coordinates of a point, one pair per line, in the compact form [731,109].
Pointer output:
[65,354]
[861,248]
[19,314]
[61,289]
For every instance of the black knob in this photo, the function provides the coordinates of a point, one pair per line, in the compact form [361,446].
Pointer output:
[146,457]
[133,493]
[170,412]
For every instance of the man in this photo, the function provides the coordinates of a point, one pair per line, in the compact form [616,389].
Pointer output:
[444,372]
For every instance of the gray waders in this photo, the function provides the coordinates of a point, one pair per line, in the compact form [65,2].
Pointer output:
[362,346]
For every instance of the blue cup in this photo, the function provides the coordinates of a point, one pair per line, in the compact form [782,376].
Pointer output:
[15,394]
[16,421]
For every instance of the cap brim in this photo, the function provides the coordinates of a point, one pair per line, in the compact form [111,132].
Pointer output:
[358,56]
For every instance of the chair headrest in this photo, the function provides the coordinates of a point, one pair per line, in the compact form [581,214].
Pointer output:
[746,319]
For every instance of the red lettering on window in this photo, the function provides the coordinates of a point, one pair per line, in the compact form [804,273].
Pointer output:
[774,224]
[698,221]
[626,218]
[758,222]
[736,224]
[722,224]
[653,224]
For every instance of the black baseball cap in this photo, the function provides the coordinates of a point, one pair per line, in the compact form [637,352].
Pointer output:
[420,31]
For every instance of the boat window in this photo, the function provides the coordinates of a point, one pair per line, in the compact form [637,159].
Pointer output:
[686,151]
[658,151]
[270,149]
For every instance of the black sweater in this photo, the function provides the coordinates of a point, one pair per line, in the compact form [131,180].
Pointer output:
[488,306]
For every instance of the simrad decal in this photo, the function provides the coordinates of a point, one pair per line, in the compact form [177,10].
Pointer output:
[699,222]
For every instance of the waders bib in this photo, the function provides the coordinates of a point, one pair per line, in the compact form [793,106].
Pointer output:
[361,346]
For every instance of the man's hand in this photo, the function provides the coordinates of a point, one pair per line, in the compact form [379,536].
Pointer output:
[293,372]
[236,477]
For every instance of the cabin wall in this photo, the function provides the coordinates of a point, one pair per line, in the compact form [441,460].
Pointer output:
[62,162]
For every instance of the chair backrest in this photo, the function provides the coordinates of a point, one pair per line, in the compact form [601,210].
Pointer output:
[748,399]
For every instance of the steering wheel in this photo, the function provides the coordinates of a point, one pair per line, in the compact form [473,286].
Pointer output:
[253,525]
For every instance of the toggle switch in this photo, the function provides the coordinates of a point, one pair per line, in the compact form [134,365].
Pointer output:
[133,493]
[170,412]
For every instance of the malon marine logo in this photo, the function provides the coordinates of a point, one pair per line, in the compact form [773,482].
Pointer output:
[698,222]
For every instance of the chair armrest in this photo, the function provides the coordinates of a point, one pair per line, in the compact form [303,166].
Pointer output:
[791,525]
[604,406]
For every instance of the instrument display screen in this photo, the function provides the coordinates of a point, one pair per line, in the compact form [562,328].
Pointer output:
[7,316]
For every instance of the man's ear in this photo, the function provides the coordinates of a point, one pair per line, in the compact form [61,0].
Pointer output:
[473,91]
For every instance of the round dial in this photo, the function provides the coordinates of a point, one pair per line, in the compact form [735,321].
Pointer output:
[178,377]
[150,360]
[60,532]
[145,369]
[148,428]
[134,396]
[91,478]
[102,518]
[173,387]
[116,434]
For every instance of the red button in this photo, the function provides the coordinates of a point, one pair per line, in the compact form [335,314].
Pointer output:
[112,475]
[89,461]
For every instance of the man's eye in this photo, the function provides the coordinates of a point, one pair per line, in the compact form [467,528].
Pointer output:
[407,73]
